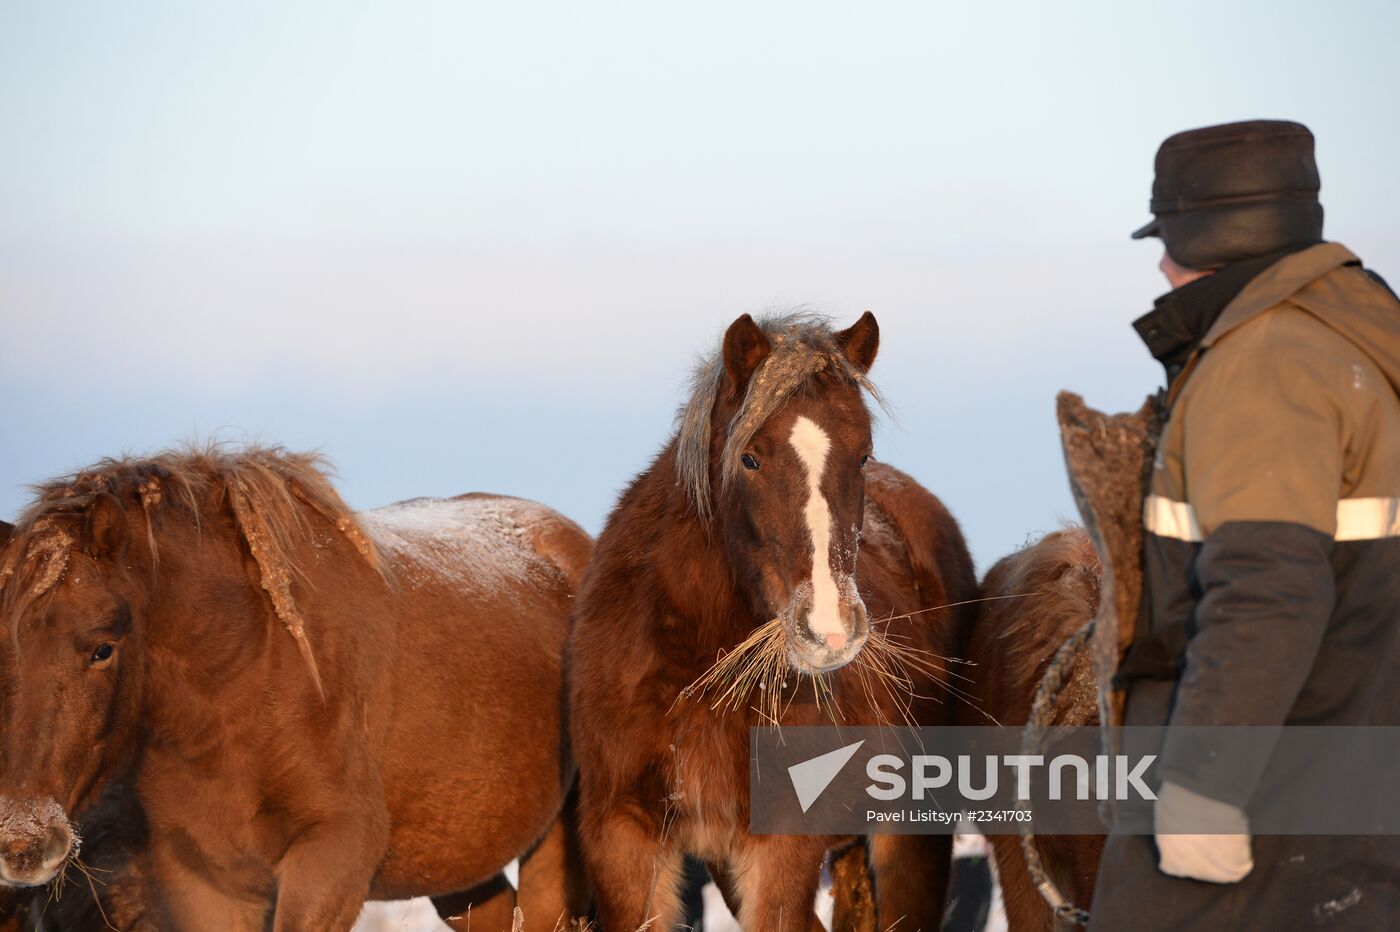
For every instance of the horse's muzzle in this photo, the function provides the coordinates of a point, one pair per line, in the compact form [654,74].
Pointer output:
[811,650]
[35,840]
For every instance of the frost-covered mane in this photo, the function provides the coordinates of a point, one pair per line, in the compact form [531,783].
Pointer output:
[268,490]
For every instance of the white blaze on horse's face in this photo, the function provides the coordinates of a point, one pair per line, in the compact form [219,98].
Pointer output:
[812,445]
[826,613]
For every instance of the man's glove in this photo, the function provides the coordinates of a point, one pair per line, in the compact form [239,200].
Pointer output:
[1200,838]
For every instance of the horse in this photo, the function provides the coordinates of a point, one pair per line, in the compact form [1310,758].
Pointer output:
[739,542]
[311,707]
[1031,603]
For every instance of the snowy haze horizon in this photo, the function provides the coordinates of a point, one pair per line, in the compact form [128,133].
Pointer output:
[481,249]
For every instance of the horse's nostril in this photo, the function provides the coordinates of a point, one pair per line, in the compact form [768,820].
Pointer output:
[56,845]
[836,641]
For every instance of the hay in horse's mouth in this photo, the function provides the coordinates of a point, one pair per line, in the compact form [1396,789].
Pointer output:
[761,662]
[752,664]
[884,663]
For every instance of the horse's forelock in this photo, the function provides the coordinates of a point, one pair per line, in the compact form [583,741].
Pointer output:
[804,350]
[33,563]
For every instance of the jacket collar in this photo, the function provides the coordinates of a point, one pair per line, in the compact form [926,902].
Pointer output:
[1180,319]
[1278,283]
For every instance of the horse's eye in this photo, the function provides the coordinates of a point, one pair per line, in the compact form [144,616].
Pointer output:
[103,653]
[748,460]
[865,459]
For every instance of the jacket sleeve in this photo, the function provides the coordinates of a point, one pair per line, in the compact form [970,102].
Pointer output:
[1263,462]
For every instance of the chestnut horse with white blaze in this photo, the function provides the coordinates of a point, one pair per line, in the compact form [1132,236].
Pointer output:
[739,545]
[311,707]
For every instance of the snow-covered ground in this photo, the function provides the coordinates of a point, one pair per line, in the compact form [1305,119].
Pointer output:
[399,916]
[419,916]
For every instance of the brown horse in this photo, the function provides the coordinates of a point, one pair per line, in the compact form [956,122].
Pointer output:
[311,708]
[1032,602]
[740,542]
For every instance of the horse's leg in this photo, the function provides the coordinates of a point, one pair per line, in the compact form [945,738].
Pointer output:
[192,901]
[553,884]
[323,880]
[853,899]
[634,869]
[128,900]
[911,880]
[778,876]
[1025,907]
[487,907]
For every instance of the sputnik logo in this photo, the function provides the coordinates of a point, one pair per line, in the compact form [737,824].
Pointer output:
[811,777]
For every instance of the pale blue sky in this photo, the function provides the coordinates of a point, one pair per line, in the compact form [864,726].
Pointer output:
[478,245]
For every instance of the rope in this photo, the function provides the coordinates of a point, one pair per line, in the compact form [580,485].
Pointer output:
[1067,915]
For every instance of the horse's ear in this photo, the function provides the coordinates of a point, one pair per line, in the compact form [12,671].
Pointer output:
[106,532]
[745,348]
[861,341]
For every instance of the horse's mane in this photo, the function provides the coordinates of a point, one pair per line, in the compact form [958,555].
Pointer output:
[268,490]
[804,350]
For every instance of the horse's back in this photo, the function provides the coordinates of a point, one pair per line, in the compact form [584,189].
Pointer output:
[908,534]
[481,587]
[480,542]
[917,582]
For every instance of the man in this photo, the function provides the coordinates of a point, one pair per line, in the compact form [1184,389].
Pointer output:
[1272,545]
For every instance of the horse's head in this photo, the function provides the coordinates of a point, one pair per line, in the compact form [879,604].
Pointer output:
[69,679]
[791,434]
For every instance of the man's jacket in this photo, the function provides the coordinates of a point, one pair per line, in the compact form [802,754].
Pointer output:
[1272,567]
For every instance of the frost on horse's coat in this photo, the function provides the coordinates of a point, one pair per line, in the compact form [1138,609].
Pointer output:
[478,541]
[435,626]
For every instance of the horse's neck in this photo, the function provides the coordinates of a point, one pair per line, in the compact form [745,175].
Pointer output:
[206,617]
[692,570]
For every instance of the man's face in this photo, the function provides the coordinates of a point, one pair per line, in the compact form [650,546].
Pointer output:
[1177,275]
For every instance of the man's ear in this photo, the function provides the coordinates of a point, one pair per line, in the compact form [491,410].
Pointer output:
[860,342]
[106,532]
[745,348]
